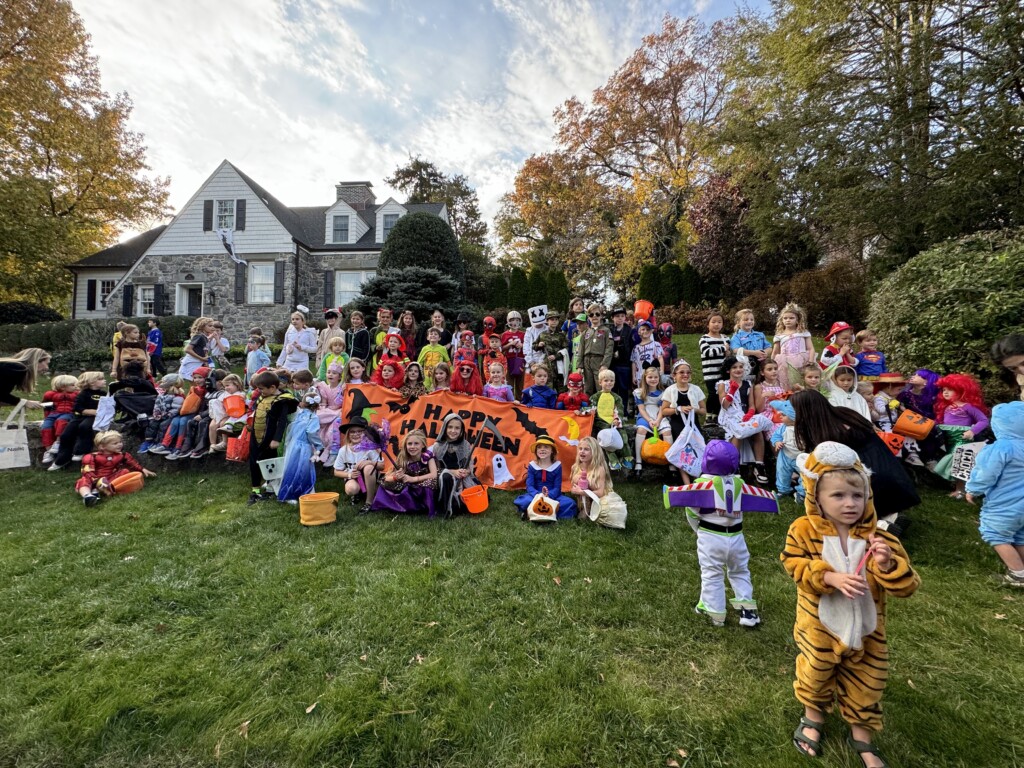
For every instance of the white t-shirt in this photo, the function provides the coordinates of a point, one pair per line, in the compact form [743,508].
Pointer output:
[669,397]
[348,458]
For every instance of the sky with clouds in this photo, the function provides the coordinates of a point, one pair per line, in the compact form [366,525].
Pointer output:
[301,94]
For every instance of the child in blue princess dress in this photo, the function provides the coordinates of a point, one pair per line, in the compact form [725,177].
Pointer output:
[544,476]
[301,447]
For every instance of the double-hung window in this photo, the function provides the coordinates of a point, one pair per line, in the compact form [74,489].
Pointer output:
[340,229]
[390,219]
[261,282]
[224,214]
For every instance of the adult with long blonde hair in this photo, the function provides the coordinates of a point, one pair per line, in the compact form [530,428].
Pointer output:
[20,372]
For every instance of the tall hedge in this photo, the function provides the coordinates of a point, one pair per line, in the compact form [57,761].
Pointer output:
[518,290]
[558,291]
[426,241]
[943,309]
[537,286]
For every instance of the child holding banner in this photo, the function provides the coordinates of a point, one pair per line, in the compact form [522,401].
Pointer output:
[408,488]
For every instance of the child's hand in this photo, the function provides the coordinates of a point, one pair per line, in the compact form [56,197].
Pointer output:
[148,473]
[544,490]
[882,553]
[777,447]
[852,585]
[970,498]
[275,443]
[968,435]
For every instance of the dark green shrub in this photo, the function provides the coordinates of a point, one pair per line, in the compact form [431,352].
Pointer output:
[10,337]
[426,241]
[420,290]
[537,286]
[518,289]
[648,286]
[558,291]
[36,335]
[943,309]
[26,313]
[61,334]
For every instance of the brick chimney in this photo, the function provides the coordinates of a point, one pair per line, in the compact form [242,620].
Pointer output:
[358,194]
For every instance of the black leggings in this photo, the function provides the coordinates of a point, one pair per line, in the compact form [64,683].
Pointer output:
[76,440]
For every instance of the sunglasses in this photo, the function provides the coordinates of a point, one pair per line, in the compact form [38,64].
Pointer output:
[595,314]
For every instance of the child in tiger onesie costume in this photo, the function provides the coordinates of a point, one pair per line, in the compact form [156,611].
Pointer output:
[843,568]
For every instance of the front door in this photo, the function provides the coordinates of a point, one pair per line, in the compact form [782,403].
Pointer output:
[188,299]
[195,301]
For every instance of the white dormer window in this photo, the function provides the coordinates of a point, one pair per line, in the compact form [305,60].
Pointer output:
[390,219]
[339,229]
[225,214]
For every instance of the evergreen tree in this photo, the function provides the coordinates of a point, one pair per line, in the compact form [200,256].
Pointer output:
[691,287]
[558,291]
[671,284]
[537,286]
[647,287]
[518,290]
[425,241]
[497,292]
[417,288]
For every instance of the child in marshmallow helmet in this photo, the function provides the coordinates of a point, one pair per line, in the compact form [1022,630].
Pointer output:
[715,503]
[538,323]
[844,567]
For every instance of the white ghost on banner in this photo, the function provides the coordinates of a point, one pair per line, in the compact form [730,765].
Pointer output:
[500,469]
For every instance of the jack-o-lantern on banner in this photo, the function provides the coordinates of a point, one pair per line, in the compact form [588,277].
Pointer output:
[502,431]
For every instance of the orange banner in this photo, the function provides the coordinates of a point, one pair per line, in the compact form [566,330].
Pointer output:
[499,463]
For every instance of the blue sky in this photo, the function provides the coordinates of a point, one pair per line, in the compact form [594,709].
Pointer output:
[301,94]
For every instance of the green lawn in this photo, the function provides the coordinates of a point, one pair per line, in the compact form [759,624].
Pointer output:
[178,627]
[151,629]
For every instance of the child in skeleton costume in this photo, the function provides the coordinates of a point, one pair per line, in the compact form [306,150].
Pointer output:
[715,504]
[538,321]
[843,568]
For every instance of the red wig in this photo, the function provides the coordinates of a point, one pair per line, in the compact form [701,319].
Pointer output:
[398,379]
[966,390]
[471,386]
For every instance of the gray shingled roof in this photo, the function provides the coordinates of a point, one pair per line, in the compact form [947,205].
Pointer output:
[123,254]
[313,220]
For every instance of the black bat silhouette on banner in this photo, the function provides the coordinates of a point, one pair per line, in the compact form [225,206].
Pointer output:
[528,424]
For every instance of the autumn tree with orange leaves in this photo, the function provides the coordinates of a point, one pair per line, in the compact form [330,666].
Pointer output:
[613,195]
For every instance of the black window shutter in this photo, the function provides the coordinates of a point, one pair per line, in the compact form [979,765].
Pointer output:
[90,295]
[279,282]
[159,305]
[240,214]
[328,288]
[207,215]
[240,283]
[128,300]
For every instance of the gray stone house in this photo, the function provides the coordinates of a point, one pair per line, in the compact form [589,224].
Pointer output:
[316,256]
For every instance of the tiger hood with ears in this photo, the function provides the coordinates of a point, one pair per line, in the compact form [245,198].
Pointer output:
[828,457]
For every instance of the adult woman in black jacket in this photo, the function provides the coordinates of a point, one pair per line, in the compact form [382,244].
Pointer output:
[20,372]
[817,420]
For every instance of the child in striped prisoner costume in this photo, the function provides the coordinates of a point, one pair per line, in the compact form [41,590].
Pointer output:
[843,568]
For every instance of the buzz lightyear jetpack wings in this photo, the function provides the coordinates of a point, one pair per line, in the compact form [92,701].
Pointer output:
[795,374]
[720,490]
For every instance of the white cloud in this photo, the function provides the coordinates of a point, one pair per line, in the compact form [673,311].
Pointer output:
[303,93]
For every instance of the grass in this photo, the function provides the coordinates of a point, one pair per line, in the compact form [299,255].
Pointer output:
[178,627]
[148,630]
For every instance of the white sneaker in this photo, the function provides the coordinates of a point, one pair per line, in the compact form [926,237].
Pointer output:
[77,457]
[48,457]
[55,467]
[914,460]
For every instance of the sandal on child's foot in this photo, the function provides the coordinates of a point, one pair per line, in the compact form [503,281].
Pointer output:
[804,743]
[957,495]
[866,748]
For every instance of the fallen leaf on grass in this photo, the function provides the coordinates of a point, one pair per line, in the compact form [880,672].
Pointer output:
[311,707]
[588,580]
[1000,616]
[419,658]
[547,566]
[432,624]
[243,729]
[694,668]
[671,763]
[682,753]
[128,558]
[1009,598]
[201,481]
[557,581]
[911,684]
[600,677]
[425,562]
[364,657]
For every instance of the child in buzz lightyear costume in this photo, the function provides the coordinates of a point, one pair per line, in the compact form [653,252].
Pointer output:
[715,504]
